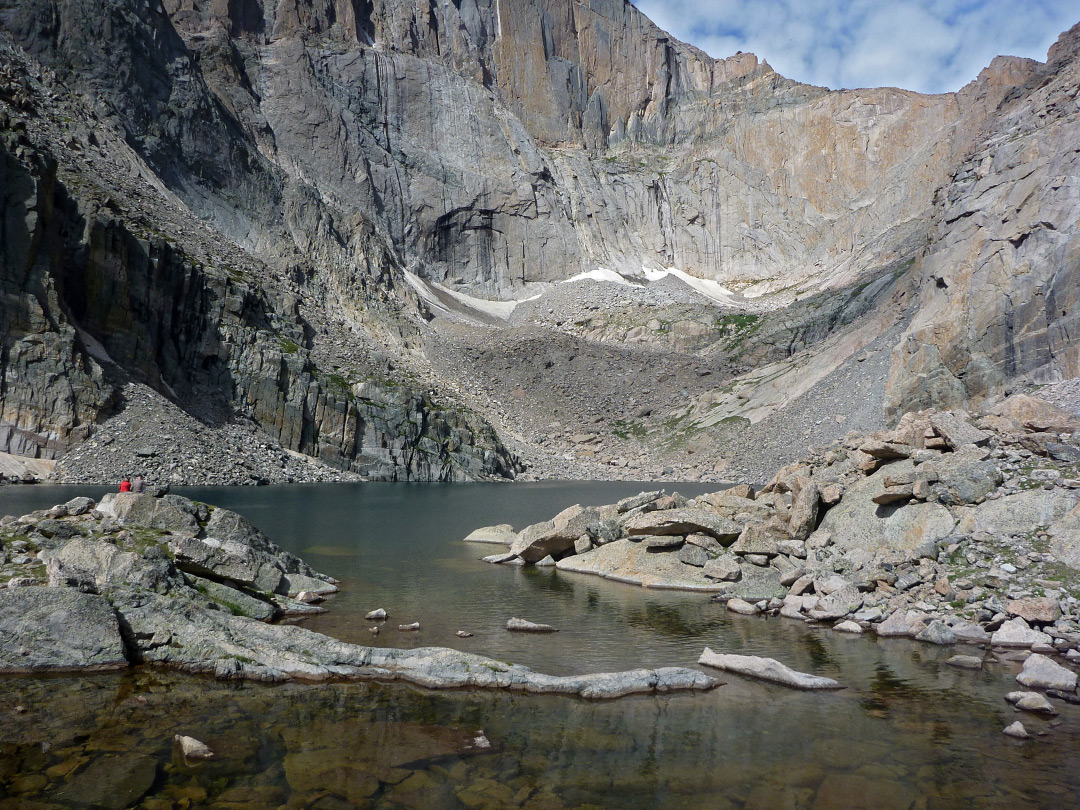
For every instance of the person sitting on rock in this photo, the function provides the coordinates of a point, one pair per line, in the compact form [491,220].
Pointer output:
[138,484]
[125,485]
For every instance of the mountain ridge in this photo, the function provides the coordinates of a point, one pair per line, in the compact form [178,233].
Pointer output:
[498,149]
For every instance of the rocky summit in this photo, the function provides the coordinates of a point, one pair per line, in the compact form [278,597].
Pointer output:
[321,240]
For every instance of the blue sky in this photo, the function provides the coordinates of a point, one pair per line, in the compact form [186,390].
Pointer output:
[932,46]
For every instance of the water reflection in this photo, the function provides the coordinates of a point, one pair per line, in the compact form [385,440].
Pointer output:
[907,732]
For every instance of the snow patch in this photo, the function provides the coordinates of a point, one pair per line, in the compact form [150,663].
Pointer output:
[601,274]
[446,300]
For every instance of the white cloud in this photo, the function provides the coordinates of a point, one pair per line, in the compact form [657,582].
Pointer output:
[932,46]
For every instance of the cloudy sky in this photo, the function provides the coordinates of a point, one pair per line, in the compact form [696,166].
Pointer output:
[932,46]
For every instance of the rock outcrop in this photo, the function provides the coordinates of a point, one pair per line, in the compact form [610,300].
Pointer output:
[115,597]
[973,546]
[997,300]
[131,287]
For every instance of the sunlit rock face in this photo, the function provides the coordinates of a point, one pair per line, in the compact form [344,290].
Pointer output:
[491,144]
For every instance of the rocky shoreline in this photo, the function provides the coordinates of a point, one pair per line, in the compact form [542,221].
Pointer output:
[949,529]
[161,580]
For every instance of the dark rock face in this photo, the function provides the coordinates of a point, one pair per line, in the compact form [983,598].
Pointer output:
[104,281]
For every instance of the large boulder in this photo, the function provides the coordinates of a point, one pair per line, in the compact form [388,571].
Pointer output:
[1019,513]
[556,536]
[684,521]
[1040,672]
[624,561]
[804,511]
[58,630]
[857,522]
[1038,415]
[503,535]
[146,511]
[218,559]
[95,566]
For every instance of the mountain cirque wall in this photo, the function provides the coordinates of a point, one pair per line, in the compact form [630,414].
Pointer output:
[1000,278]
[492,144]
[106,279]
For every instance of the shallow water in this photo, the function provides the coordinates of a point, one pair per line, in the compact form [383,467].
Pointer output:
[908,732]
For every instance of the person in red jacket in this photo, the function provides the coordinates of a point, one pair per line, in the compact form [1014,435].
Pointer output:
[125,486]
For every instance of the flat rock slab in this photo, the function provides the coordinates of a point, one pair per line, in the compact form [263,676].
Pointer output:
[58,630]
[766,669]
[502,535]
[623,561]
[684,521]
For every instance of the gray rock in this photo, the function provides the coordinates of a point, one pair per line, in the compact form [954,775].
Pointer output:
[502,534]
[639,501]
[110,782]
[937,632]
[190,748]
[234,600]
[683,522]
[767,669]
[1017,633]
[525,626]
[853,628]
[1016,730]
[1040,672]
[742,607]
[902,623]
[556,536]
[505,557]
[58,630]
[97,566]
[725,568]
[693,555]
[1031,702]
[547,562]
[965,662]
[837,604]
[378,613]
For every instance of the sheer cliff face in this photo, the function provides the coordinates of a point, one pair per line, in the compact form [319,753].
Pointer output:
[1000,294]
[490,144]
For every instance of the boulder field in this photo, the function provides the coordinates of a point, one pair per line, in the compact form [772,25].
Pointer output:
[947,528]
[159,579]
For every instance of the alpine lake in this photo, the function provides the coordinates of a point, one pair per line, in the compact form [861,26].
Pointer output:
[908,731]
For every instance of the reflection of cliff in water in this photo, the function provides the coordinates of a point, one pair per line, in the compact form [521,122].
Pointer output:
[108,741]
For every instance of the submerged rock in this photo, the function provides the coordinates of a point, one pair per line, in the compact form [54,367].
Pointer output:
[190,748]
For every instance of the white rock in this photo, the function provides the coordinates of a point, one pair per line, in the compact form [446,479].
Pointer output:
[192,748]
[1031,702]
[848,627]
[525,626]
[1016,730]
[742,607]
[409,627]
[1017,633]
[766,669]
[375,614]
[1040,672]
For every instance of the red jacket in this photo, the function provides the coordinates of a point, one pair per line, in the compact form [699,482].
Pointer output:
[125,486]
